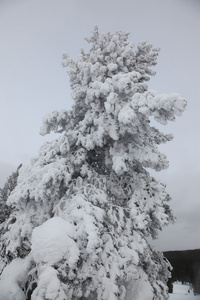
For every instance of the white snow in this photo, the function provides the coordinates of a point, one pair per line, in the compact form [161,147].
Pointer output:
[139,289]
[12,279]
[181,292]
[49,286]
[53,240]
[110,112]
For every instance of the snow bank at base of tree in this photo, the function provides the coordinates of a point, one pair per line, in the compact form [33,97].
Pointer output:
[181,292]
[13,278]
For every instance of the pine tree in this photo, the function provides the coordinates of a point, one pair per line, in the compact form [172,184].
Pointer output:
[87,204]
[5,193]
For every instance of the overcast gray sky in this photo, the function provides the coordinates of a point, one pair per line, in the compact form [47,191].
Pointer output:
[33,36]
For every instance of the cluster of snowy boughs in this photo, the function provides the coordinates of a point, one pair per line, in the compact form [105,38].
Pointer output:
[84,207]
[5,192]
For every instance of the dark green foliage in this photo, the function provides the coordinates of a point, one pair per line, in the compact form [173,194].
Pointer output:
[186,267]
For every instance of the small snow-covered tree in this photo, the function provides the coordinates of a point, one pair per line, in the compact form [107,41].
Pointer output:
[5,193]
[87,203]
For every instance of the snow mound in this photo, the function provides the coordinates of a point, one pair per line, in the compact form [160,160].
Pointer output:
[53,240]
[182,291]
[49,286]
[12,279]
[140,289]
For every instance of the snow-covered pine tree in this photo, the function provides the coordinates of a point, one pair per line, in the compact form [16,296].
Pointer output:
[8,187]
[86,204]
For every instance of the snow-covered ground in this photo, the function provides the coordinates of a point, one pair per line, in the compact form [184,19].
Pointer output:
[181,292]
